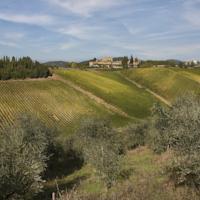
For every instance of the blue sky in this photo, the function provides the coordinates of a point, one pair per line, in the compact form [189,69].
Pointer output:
[83,29]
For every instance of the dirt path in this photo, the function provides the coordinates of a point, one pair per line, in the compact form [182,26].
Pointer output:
[93,97]
[165,101]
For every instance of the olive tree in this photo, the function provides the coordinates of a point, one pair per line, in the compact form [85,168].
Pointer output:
[101,147]
[178,128]
[23,156]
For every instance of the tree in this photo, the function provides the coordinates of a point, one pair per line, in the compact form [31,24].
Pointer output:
[125,62]
[178,129]
[101,147]
[23,156]
[181,65]
[192,64]
[131,61]
[22,68]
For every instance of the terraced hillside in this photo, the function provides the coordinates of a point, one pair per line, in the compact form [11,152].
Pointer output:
[167,82]
[114,89]
[51,100]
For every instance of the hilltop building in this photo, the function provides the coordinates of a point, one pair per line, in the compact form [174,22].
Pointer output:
[106,62]
[194,63]
[109,62]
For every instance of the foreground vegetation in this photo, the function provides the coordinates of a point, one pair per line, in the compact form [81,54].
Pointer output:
[23,152]
[158,159]
[173,174]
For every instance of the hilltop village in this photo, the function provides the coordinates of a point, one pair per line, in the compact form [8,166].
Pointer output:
[109,62]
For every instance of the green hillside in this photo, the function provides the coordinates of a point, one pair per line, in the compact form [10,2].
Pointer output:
[113,89]
[54,102]
[59,104]
[167,82]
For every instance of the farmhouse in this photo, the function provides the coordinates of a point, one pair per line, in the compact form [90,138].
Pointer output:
[109,62]
[106,62]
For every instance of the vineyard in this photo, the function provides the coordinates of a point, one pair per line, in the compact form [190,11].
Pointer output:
[61,105]
[167,82]
[52,101]
[113,89]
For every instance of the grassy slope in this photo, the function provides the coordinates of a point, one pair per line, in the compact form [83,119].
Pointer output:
[141,163]
[168,82]
[146,174]
[54,102]
[113,89]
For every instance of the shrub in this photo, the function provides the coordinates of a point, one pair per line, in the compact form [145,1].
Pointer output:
[178,128]
[136,135]
[23,156]
[100,129]
[101,147]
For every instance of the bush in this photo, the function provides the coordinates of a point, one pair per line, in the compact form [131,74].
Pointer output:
[100,129]
[178,128]
[101,147]
[136,135]
[23,156]
[185,170]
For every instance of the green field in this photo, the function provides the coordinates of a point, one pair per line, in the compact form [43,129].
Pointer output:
[167,82]
[57,104]
[114,89]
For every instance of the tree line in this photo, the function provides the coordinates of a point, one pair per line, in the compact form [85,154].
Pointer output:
[21,68]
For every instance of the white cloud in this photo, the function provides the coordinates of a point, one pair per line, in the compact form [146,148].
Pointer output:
[80,31]
[84,7]
[27,19]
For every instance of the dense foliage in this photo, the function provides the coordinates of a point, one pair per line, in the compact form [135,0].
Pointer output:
[136,135]
[23,156]
[13,68]
[167,63]
[101,147]
[178,129]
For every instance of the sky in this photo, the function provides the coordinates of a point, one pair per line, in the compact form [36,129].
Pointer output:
[83,29]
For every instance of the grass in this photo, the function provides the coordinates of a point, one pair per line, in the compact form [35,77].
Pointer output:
[52,101]
[113,89]
[141,162]
[147,180]
[167,82]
